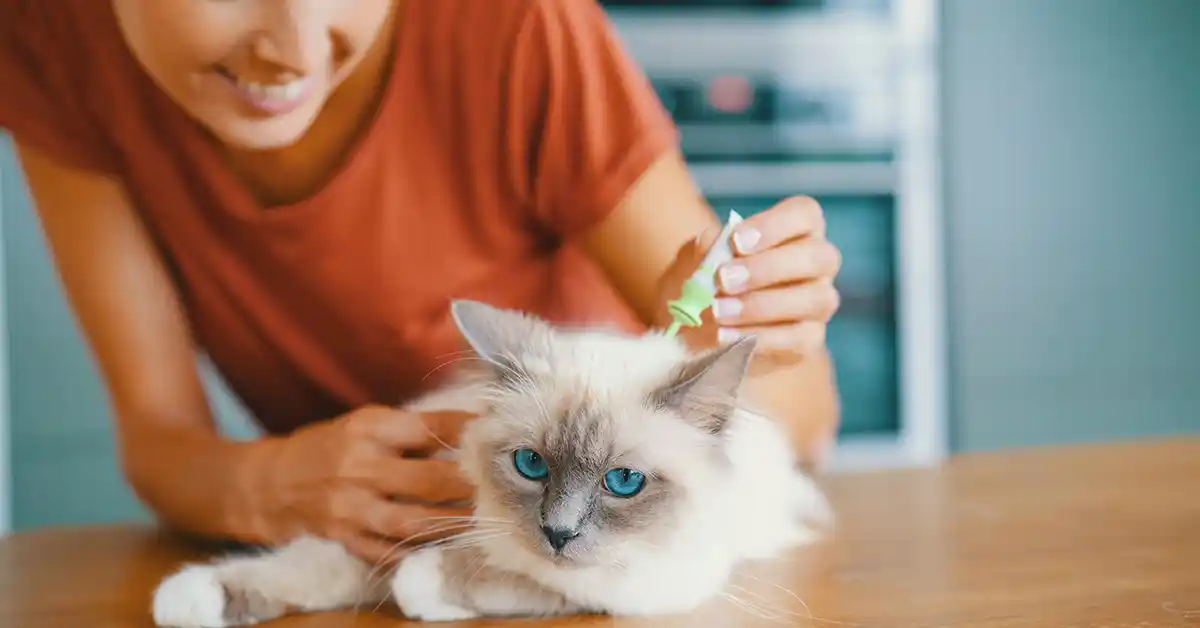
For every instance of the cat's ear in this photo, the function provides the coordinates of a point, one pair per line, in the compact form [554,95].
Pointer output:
[704,389]
[498,336]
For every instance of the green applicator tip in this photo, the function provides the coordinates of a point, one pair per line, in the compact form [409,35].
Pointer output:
[699,291]
[694,298]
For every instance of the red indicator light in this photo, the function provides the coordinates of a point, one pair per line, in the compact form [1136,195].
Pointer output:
[730,94]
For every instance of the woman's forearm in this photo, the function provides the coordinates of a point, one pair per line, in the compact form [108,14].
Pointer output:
[198,482]
[803,396]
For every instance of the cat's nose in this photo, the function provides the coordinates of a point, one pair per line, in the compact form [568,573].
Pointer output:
[559,537]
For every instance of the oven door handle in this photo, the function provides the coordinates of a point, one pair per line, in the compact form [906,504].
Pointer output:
[788,179]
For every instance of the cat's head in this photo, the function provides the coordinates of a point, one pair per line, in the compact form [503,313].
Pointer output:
[596,444]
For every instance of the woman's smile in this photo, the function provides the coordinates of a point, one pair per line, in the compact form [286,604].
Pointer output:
[275,97]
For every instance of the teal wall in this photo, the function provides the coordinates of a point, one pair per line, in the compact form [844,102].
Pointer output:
[1073,234]
[1073,197]
[64,464]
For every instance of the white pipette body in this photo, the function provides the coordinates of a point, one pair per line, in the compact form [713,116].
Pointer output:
[721,252]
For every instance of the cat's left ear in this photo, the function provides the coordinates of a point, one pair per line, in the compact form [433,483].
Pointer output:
[498,336]
[704,390]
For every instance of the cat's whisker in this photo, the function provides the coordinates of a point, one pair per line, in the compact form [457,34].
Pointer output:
[453,523]
[379,572]
[482,560]
[744,605]
[462,541]
[762,602]
[450,523]
[466,526]
[468,530]
[467,357]
[439,439]
[383,599]
[766,603]
[465,542]
[466,533]
[778,587]
[471,518]
[474,533]
[765,608]
[433,532]
[472,526]
[753,609]
[452,354]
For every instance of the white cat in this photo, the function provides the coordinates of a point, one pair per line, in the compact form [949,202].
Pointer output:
[614,474]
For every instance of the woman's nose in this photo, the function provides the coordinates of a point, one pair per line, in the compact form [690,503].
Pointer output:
[294,36]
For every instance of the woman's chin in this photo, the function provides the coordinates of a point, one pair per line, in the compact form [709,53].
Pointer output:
[263,134]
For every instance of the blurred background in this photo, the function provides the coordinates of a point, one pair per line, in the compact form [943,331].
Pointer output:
[1010,182]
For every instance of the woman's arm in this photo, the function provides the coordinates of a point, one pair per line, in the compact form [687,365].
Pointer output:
[172,455]
[340,478]
[638,245]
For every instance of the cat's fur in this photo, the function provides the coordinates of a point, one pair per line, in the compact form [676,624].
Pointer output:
[722,488]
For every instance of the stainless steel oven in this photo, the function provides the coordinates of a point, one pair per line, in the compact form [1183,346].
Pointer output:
[752,4]
[781,97]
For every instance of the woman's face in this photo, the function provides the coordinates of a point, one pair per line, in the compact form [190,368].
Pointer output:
[254,72]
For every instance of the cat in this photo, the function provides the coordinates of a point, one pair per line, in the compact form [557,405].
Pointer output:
[614,474]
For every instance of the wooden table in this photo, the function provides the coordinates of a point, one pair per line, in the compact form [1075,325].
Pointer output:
[1091,536]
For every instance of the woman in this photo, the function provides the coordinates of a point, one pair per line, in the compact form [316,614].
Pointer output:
[298,188]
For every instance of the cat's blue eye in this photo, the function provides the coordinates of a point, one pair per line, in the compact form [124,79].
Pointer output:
[530,464]
[624,482]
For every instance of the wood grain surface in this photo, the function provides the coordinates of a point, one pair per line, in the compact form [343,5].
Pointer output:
[1097,536]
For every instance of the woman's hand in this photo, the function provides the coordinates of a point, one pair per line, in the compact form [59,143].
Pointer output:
[779,286]
[354,480]
[656,237]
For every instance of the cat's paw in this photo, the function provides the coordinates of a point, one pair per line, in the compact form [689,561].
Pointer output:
[419,588]
[195,597]
[191,598]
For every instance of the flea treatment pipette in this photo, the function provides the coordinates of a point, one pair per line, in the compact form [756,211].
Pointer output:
[700,289]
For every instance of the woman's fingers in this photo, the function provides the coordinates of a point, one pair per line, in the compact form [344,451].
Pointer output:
[410,431]
[811,301]
[795,338]
[790,219]
[372,549]
[802,260]
[427,480]
[365,511]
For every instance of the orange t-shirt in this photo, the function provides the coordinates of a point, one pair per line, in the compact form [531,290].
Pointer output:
[508,127]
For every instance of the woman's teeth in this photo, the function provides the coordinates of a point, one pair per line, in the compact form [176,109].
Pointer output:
[276,91]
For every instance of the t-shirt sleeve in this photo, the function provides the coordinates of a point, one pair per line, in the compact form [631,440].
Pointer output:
[584,121]
[42,84]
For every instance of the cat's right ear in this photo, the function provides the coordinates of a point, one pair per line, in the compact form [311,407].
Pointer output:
[498,336]
[704,390]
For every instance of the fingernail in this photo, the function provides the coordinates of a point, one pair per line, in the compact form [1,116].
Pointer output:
[734,276]
[745,238]
[727,308]
[726,335]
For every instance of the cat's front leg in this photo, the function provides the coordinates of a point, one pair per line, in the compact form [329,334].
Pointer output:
[456,583]
[425,589]
[308,574]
